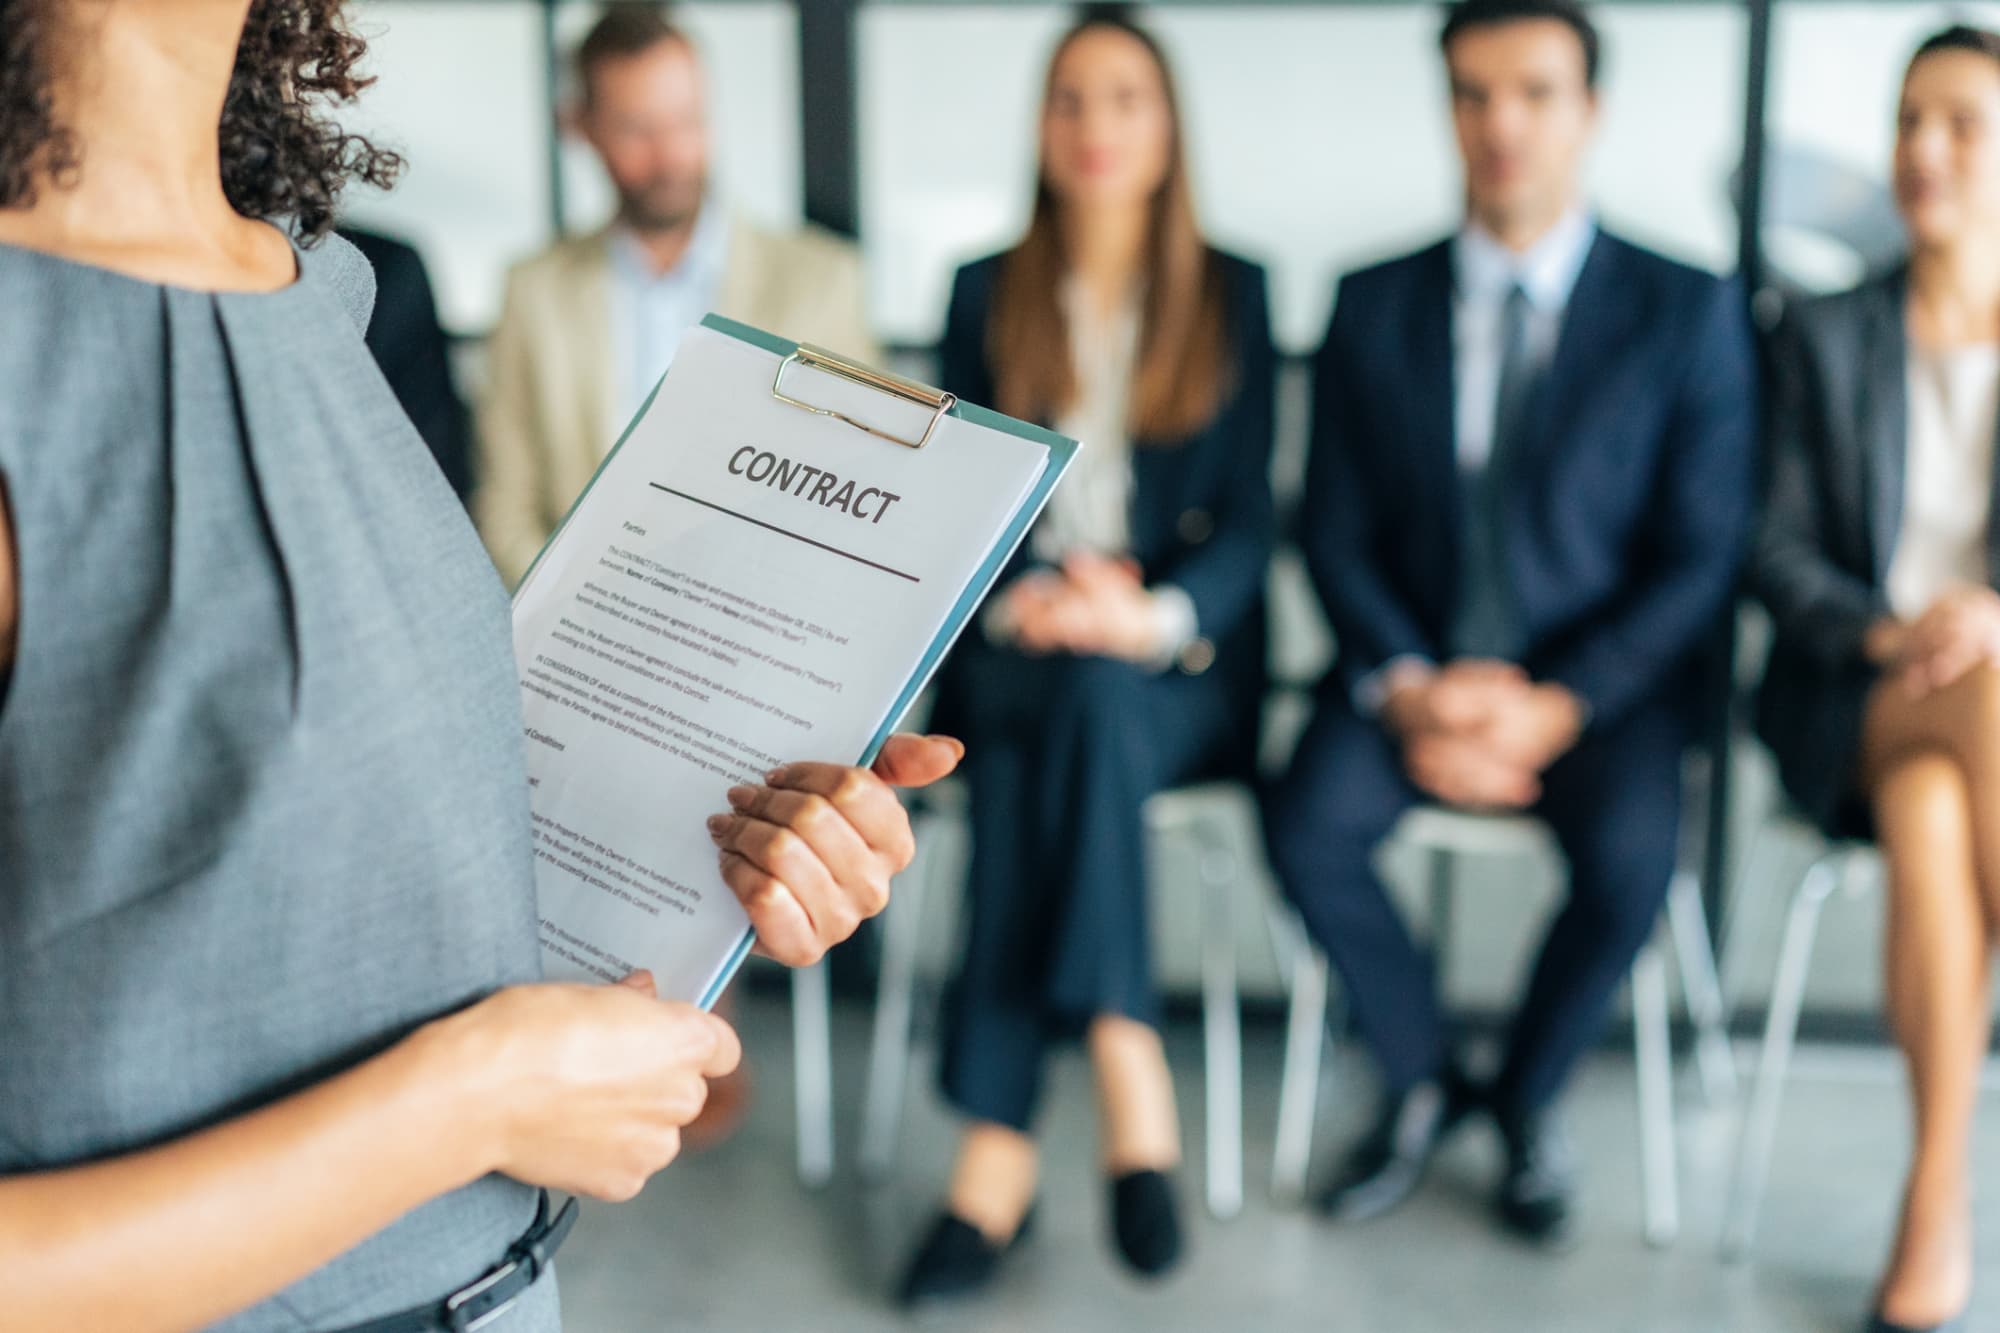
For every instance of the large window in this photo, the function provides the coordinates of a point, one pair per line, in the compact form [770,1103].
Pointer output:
[462,91]
[1836,69]
[1320,137]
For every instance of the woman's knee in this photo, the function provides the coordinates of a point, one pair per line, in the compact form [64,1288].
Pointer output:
[1923,798]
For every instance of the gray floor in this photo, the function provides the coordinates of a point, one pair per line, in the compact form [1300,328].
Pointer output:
[730,1241]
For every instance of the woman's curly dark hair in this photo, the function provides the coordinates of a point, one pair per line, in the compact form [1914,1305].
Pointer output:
[282,157]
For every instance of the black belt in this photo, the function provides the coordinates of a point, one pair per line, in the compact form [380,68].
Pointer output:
[474,1306]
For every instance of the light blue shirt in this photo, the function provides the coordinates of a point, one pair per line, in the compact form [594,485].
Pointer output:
[651,312]
[1484,272]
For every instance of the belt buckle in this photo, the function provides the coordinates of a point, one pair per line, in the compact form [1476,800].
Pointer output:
[454,1305]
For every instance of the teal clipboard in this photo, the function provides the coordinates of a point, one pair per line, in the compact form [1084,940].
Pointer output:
[1061,449]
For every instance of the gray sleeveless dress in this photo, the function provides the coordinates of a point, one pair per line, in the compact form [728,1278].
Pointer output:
[262,803]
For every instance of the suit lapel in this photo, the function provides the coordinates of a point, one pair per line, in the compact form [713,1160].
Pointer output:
[1596,328]
[1884,419]
[1433,390]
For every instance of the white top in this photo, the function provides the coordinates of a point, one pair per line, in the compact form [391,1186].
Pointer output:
[1484,271]
[1954,411]
[1092,509]
[651,312]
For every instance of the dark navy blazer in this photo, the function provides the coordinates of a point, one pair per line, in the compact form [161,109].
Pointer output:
[1201,512]
[1626,517]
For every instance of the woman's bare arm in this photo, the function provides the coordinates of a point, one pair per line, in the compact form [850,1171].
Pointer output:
[180,1236]
[578,1088]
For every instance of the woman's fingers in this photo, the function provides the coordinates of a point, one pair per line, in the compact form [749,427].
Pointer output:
[864,798]
[727,1050]
[784,932]
[788,892]
[810,854]
[851,864]
[917,761]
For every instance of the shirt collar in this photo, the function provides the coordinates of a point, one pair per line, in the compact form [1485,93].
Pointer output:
[702,259]
[1547,271]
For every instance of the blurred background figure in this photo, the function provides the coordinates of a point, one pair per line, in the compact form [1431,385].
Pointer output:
[1879,561]
[1122,653]
[415,354]
[1532,467]
[589,326]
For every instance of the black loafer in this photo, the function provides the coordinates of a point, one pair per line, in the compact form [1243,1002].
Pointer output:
[955,1260]
[1146,1222]
[1386,1166]
[1535,1201]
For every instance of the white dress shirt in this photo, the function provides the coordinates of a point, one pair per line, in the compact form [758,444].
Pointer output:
[1484,273]
[651,312]
[1954,405]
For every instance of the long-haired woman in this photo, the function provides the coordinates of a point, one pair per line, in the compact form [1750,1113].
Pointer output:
[1125,652]
[1880,560]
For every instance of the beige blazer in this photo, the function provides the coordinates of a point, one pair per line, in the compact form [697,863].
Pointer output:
[549,413]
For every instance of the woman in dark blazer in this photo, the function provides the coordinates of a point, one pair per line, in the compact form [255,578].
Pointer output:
[1879,561]
[1123,652]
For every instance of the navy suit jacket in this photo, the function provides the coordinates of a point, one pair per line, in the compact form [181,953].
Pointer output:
[1201,512]
[1627,513]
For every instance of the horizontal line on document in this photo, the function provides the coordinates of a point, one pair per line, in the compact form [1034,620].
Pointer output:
[785,532]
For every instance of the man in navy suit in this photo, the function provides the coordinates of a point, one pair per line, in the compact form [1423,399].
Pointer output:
[1532,473]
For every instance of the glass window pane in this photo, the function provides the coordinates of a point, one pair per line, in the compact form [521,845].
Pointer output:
[460,94]
[750,52]
[1320,138]
[1836,70]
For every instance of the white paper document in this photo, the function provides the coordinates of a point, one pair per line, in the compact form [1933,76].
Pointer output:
[744,584]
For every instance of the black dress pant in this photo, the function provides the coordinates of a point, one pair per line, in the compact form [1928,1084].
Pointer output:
[1061,755]
[1614,805]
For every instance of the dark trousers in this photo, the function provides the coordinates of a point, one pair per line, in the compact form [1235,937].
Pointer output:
[1614,806]
[1061,756]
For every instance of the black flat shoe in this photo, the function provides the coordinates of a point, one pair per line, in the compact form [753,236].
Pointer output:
[1386,1166]
[1536,1198]
[955,1260]
[1146,1221]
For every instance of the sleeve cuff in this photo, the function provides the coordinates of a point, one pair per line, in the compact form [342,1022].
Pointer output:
[1176,625]
[996,622]
[1372,691]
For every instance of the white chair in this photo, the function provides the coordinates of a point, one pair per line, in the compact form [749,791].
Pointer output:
[1446,835]
[812,1073]
[1851,869]
[1202,816]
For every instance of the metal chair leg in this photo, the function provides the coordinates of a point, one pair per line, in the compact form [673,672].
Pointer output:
[812,1061]
[1222,1030]
[1696,954]
[895,1005]
[1305,1042]
[1441,866]
[1760,1128]
[1654,1058]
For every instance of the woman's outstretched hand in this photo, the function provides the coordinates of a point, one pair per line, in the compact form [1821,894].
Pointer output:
[811,851]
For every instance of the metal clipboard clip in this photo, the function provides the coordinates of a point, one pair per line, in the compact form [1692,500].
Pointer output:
[832,363]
